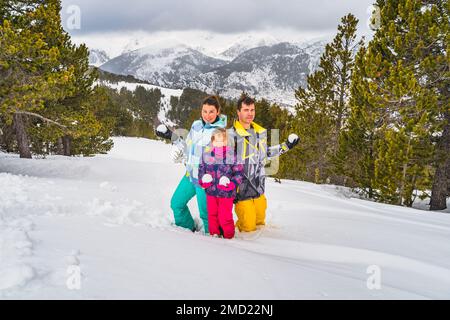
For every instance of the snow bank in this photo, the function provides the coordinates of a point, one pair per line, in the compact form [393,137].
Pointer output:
[102,227]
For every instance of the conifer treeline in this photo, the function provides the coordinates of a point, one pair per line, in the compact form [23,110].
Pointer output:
[50,102]
[47,99]
[376,116]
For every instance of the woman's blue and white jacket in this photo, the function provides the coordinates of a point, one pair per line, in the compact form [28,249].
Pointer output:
[198,138]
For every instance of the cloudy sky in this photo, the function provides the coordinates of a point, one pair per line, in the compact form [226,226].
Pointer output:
[114,19]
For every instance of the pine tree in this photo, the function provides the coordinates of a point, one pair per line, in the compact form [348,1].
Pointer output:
[358,142]
[14,10]
[188,108]
[322,108]
[78,110]
[67,121]
[434,68]
[399,101]
[30,70]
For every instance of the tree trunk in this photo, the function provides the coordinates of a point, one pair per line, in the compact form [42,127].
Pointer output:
[67,145]
[439,191]
[440,188]
[7,138]
[21,136]
[60,147]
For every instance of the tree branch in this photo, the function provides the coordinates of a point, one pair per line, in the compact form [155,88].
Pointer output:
[43,118]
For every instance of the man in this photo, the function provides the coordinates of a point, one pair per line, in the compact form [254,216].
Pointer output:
[250,141]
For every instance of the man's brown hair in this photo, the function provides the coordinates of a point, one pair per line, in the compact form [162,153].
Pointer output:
[244,100]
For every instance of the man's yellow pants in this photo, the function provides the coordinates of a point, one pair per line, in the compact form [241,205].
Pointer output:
[251,213]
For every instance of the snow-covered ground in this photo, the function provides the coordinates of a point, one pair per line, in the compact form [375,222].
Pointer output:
[108,220]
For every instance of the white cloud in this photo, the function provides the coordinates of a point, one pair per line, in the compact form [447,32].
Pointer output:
[231,16]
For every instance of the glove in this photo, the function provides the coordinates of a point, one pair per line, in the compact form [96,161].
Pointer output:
[224,181]
[292,140]
[163,132]
[207,178]
[206,181]
[225,184]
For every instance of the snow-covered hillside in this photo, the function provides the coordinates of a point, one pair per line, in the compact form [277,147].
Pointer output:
[109,218]
[165,101]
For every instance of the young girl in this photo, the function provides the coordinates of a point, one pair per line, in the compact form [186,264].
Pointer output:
[220,175]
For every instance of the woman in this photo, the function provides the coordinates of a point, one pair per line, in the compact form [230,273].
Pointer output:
[198,138]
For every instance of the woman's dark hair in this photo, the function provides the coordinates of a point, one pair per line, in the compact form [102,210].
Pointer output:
[244,100]
[212,101]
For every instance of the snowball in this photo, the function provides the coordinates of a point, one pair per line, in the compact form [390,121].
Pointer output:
[161,128]
[292,137]
[207,178]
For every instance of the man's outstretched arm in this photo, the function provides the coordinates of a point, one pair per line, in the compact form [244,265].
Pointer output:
[278,150]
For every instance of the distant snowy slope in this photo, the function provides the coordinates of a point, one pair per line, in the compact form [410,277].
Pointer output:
[165,101]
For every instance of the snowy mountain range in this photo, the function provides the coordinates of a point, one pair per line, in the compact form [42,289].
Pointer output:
[261,67]
[244,43]
[271,72]
[98,57]
[168,63]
